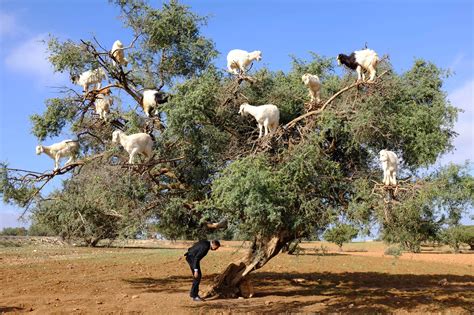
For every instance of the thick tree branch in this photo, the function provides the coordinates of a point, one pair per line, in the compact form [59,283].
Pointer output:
[329,101]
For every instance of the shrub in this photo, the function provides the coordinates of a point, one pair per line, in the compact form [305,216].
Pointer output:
[454,236]
[341,233]
[394,251]
[14,231]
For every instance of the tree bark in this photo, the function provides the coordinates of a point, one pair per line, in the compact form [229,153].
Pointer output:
[234,282]
[292,247]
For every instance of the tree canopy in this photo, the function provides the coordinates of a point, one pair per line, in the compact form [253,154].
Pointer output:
[209,166]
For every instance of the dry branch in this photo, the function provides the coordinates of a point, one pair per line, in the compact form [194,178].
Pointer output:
[332,98]
[217,225]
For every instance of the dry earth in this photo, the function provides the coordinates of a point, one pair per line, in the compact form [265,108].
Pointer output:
[148,277]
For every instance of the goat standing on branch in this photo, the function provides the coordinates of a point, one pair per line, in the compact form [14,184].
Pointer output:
[150,101]
[138,143]
[90,77]
[118,54]
[361,60]
[59,150]
[103,103]
[267,116]
[390,166]
[314,86]
[238,60]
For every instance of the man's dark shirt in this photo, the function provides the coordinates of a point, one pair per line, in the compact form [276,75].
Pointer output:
[197,252]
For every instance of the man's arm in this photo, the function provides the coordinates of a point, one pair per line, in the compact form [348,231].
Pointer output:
[197,259]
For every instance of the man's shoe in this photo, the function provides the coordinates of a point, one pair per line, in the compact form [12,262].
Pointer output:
[197,299]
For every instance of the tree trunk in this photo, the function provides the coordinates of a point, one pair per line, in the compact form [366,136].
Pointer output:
[293,247]
[93,242]
[234,280]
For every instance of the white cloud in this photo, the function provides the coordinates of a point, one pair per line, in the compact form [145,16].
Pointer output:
[30,59]
[8,25]
[463,98]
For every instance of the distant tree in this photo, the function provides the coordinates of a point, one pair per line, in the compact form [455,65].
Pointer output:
[37,229]
[441,199]
[100,202]
[454,236]
[209,169]
[340,233]
[14,231]
[468,235]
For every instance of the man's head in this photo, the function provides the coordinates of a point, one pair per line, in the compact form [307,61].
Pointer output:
[215,244]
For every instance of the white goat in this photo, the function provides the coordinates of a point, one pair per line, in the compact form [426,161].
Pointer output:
[314,86]
[103,103]
[90,77]
[390,166]
[238,60]
[118,53]
[59,150]
[138,143]
[361,60]
[267,116]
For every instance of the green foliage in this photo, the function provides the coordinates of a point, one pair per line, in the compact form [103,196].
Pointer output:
[170,41]
[250,193]
[174,31]
[468,235]
[454,236]
[191,116]
[287,90]
[394,251]
[442,198]
[14,231]
[90,208]
[11,190]
[425,119]
[70,57]
[38,229]
[58,113]
[340,233]
[212,166]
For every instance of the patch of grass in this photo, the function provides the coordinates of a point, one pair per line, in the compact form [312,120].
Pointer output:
[321,250]
[362,250]
[394,251]
[5,243]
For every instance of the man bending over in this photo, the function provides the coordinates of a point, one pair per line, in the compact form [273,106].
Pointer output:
[193,257]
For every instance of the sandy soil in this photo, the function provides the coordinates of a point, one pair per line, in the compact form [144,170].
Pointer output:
[152,279]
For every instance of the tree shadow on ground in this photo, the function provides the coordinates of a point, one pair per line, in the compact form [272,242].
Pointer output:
[5,309]
[358,292]
[443,252]
[131,247]
[171,284]
[309,253]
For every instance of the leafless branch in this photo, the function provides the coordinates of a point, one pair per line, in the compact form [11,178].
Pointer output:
[332,98]
[217,225]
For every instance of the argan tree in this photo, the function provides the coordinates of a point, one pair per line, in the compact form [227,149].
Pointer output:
[210,170]
[340,233]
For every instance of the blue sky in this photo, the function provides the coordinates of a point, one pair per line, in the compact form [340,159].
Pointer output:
[439,31]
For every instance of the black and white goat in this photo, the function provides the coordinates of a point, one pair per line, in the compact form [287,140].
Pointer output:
[150,101]
[361,60]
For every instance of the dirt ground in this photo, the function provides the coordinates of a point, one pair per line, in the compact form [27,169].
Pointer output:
[150,278]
